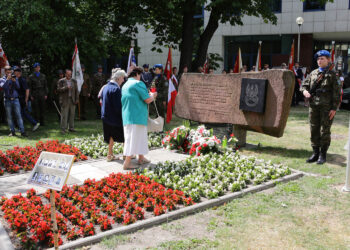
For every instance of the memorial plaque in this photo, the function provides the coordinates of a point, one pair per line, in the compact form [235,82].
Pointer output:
[253,94]
[209,98]
[51,170]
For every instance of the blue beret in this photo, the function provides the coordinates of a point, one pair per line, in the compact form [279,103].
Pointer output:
[322,53]
[36,65]
[159,66]
[146,66]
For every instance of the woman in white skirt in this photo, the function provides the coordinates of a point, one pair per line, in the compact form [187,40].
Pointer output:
[135,98]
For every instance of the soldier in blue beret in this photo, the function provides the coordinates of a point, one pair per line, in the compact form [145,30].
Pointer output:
[323,91]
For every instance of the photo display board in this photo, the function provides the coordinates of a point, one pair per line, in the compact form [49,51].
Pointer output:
[51,170]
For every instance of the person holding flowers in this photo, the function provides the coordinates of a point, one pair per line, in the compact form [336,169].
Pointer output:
[135,98]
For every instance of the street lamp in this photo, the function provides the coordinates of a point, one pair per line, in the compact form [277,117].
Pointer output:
[299,21]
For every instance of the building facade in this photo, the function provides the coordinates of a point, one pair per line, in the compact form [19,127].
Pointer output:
[322,25]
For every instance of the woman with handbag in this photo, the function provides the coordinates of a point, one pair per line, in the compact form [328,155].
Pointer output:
[135,98]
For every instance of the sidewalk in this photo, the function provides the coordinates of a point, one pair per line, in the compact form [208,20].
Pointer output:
[93,169]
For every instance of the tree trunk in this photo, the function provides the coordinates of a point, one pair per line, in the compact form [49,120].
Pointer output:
[204,40]
[186,46]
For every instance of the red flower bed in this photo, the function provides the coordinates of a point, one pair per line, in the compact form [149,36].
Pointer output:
[85,210]
[25,158]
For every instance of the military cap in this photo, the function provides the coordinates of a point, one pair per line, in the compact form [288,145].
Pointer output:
[99,66]
[322,53]
[159,66]
[36,65]
[146,66]
[7,67]
[60,72]
[16,68]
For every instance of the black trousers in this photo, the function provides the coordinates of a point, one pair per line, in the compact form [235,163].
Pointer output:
[38,105]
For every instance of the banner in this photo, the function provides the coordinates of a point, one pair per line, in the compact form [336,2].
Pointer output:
[77,73]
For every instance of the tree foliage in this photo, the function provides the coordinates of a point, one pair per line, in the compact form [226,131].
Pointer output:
[45,30]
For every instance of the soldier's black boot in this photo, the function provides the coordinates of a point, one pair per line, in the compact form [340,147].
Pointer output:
[323,155]
[315,155]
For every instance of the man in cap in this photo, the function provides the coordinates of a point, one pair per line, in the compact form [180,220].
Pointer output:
[146,76]
[161,84]
[69,96]
[11,100]
[323,91]
[38,89]
[55,98]
[98,81]
[24,98]
[84,93]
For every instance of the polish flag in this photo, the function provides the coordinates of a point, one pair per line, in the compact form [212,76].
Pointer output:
[333,51]
[172,90]
[238,64]
[131,61]
[77,73]
[258,59]
[291,58]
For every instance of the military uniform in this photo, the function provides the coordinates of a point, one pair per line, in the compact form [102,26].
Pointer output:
[38,90]
[84,95]
[161,85]
[99,80]
[325,98]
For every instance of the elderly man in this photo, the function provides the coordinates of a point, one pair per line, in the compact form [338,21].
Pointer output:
[67,89]
[11,89]
[38,89]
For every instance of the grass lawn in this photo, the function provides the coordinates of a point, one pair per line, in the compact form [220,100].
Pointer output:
[310,213]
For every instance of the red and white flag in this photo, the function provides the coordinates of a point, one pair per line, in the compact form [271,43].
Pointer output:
[131,61]
[238,64]
[77,73]
[291,58]
[258,58]
[333,52]
[3,60]
[172,93]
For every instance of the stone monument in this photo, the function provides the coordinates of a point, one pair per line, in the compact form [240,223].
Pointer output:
[209,98]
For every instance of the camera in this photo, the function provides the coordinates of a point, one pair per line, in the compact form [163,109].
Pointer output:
[13,75]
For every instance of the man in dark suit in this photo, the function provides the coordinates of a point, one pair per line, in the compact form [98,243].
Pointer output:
[67,89]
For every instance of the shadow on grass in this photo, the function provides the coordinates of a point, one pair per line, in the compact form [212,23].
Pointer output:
[335,159]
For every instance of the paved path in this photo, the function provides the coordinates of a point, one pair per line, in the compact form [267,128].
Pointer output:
[93,169]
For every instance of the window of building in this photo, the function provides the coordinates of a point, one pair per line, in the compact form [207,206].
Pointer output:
[313,5]
[276,6]
[199,12]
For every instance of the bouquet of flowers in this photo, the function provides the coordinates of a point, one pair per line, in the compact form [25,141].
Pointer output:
[205,145]
[200,132]
[177,139]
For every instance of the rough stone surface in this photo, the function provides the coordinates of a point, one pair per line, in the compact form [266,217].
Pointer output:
[216,99]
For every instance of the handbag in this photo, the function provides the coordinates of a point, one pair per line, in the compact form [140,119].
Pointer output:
[155,125]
